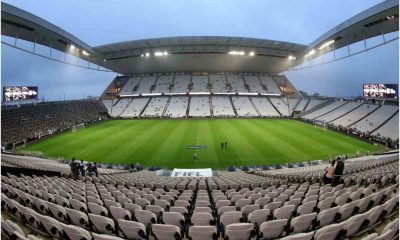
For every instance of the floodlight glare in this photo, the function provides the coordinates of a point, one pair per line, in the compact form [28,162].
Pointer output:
[251,53]
[310,53]
[72,47]
[85,53]
[165,53]
[147,54]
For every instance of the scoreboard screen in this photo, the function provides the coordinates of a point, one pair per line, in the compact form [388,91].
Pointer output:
[18,93]
[381,90]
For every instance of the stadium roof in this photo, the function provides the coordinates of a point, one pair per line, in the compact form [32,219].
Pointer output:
[202,53]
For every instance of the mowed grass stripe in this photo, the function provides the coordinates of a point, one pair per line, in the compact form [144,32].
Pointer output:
[163,142]
[272,138]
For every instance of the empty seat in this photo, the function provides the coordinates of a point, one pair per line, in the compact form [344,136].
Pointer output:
[52,226]
[145,217]
[165,232]
[302,223]
[105,237]
[78,205]
[353,224]
[284,212]
[327,216]
[102,224]
[330,232]
[259,216]
[202,232]
[180,210]
[131,229]
[57,211]
[273,229]
[120,213]
[202,219]
[239,231]
[300,236]
[77,218]
[75,232]
[97,209]
[306,207]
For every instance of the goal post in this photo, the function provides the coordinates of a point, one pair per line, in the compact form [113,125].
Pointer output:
[78,127]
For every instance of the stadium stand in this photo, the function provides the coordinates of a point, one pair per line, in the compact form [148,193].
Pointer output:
[199,107]
[254,84]
[286,203]
[355,115]
[222,107]
[236,83]
[130,85]
[32,121]
[280,105]
[181,83]
[265,107]
[177,107]
[270,84]
[339,112]
[145,85]
[313,103]
[156,107]
[200,84]
[301,105]
[219,83]
[244,107]
[323,110]
[134,107]
[376,119]
[163,84]
[388,129]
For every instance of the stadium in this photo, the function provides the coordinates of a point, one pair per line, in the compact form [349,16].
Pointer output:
[198,137]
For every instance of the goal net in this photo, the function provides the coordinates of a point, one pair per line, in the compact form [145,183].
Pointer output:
[77,127]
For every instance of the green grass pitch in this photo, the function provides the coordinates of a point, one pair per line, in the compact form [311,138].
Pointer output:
[163,142]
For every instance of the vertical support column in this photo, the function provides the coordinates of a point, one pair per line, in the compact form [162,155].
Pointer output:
[51,49]
[348,48]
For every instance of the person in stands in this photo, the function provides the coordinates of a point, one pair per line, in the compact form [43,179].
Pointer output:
[339,169]
[330,170]
[82,168]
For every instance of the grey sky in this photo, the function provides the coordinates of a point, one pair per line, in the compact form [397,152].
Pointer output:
[103,21]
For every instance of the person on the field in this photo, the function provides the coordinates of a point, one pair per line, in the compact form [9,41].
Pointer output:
[194,157]
[222,145]
[339,169]
[226,144]
[330,170]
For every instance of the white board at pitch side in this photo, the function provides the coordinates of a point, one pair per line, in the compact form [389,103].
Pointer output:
[194,172]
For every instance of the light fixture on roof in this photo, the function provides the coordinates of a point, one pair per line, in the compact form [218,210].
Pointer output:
[142,55]
[241,53]
[251,53]
[104,60]
[85,53]
[72,47]
[310,53]
[165,53]
[291,57]
[327,44]
[147,54]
